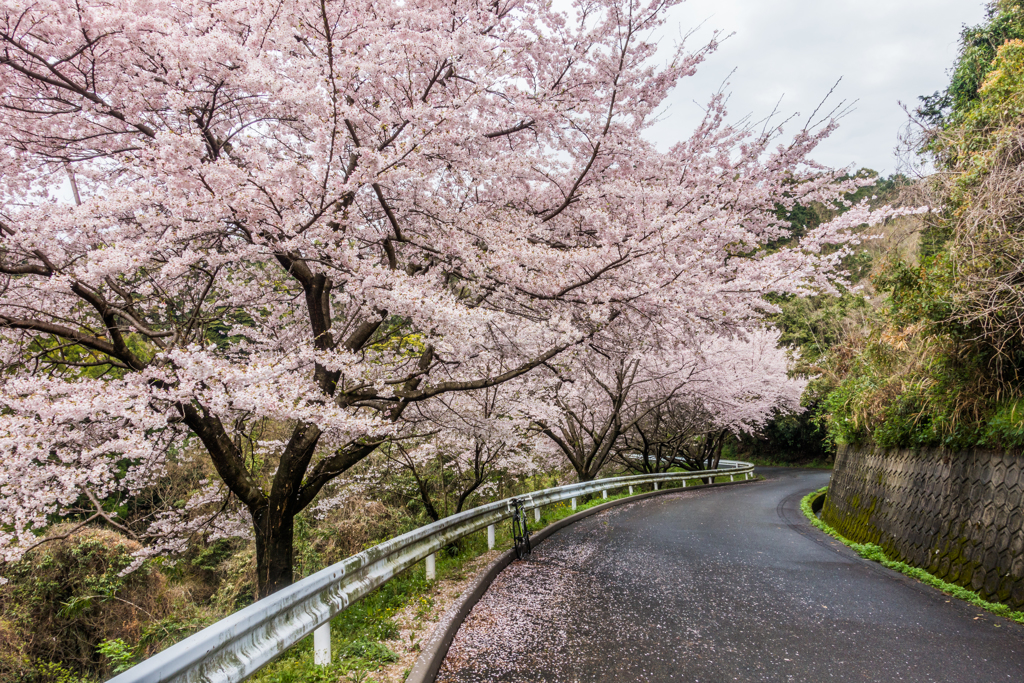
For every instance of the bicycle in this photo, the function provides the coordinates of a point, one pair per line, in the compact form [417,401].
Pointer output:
[520,531]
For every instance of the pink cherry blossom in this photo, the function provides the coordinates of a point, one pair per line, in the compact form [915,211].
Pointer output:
[221,214]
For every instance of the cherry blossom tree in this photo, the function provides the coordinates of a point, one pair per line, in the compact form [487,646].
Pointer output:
[736,385]
[604,390]
[220,215]
[467,445]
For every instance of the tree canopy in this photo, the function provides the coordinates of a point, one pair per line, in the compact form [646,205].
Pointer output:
[258,232]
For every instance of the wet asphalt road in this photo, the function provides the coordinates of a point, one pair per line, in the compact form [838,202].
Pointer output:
[730,584]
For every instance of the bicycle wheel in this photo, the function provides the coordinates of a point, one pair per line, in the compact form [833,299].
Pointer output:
[527,546]
[520,535]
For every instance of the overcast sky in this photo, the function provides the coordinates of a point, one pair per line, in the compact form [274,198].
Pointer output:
[886,51]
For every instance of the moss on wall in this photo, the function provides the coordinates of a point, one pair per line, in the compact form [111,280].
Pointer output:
[958,515]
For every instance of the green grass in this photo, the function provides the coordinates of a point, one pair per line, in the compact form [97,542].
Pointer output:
[358,633]
[769,462]
[724,479]
[870,551]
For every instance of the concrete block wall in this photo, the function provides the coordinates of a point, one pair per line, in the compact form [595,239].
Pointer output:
[958,515]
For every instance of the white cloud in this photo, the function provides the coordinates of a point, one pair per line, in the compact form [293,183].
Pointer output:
[886,51]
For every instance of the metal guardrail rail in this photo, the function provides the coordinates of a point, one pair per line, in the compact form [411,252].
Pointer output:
[237,646]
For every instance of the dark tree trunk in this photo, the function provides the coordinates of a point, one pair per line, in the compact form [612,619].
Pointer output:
[705,460]
[712,452]
[428,504]
[274,551]
[464,496]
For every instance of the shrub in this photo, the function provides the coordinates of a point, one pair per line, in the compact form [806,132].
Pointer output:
[68,598]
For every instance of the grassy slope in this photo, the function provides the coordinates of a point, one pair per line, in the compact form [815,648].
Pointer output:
[769,462]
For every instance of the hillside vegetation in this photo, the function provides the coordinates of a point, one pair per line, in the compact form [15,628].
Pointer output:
[937,360]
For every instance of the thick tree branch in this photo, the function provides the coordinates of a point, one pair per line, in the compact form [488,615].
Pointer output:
[61,82]
[484,382]
[224,454]
[522,125]
[86,340]
[330,467]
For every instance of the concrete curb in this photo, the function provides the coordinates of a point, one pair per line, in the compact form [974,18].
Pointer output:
[435,649]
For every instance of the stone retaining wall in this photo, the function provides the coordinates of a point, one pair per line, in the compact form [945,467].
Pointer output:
[958,515]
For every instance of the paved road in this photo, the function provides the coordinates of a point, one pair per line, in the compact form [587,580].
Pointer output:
[721,585]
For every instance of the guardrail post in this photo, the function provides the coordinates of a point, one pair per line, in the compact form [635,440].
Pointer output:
[322,645]
[431,569]
[655,486]
[631,490]
[490,536]
[746,476]
[732,477]
[573,503]
[536,514]
[604,493]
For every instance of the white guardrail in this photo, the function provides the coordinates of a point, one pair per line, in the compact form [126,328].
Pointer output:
[237,646]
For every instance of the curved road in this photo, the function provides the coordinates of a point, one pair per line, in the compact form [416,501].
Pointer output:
[730,584]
